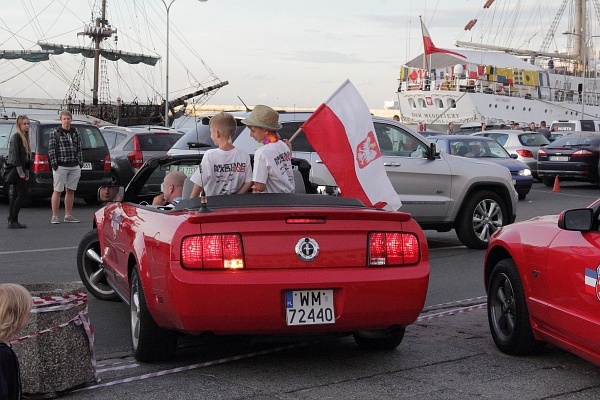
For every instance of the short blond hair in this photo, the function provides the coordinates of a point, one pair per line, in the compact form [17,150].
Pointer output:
[65,112]
[224,123]
[15,305]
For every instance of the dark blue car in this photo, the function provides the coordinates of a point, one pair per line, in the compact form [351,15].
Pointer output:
[490,150]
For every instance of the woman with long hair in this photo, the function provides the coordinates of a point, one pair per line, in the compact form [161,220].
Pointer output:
[19,154]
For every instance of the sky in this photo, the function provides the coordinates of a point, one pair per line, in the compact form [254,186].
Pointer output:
[274,52]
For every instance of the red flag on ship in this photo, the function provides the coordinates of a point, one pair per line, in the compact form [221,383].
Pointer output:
[430,47]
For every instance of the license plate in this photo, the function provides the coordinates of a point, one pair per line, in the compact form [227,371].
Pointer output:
[559,158]
[188,170]
[87,166]
[309,307]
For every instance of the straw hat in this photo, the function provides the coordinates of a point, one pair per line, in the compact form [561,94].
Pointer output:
[263,117]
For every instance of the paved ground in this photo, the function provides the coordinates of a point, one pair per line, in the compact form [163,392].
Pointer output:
[441,357]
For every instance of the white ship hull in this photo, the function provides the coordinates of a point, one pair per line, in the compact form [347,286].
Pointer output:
[444,106]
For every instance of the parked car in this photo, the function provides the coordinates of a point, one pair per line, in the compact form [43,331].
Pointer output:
[489,150]
[575,125]
[211,267]
[574,157]
[440,192]
[524,144]
[131,146]
[543,286]
[96,158]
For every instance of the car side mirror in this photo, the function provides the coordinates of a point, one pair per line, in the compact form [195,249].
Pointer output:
[432,152]
[111,193]
[580,219]
[514,156]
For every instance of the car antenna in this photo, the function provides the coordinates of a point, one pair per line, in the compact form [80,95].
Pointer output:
[247,109]
[203,204]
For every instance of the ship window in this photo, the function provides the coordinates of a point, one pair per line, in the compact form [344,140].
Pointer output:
[439,103]
[412,104]
[452,103]
[423,104]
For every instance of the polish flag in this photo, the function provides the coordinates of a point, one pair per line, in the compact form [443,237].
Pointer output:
[342,133]
[430,47]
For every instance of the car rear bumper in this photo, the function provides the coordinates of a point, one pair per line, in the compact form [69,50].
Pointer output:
[253,301]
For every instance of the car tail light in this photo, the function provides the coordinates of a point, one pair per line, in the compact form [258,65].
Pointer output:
[525,153]
[107,162]
[393,248]
[583,153]
[41,163]
[542,153]
[136,157]
[212,252]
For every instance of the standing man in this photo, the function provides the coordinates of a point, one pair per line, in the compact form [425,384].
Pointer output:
[66,160]
[544,130]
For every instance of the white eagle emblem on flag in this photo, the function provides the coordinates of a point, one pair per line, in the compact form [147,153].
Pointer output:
[367,151]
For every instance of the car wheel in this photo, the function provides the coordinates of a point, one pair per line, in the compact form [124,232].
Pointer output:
[508,316]
[114,179]
[387,339]
[150,342]
[483,214]
[91,269]
[548,181]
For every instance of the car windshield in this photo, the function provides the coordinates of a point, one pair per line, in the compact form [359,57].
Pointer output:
[476,148]
[533,139]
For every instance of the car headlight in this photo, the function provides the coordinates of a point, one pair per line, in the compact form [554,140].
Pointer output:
[525,172]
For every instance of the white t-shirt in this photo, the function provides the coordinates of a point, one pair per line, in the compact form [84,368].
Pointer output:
[273,167]
[223,172]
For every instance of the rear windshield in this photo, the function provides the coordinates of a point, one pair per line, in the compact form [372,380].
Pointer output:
[152,142]
[5,132]
[576,140]
[198,136]
[91,138]
[533,139]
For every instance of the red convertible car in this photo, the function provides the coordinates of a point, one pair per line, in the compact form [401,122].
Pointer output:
[542,279]
[266,264]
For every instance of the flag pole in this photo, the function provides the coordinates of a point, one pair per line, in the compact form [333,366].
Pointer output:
[295,134]
[424,46]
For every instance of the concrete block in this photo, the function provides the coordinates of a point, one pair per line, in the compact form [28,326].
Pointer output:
[55,350]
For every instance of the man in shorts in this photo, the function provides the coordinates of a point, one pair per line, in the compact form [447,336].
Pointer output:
[66,160]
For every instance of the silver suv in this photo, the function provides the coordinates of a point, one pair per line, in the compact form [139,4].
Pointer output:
[440,191]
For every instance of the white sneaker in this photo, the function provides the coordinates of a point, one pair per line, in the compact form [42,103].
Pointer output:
[70,218]
[54,220]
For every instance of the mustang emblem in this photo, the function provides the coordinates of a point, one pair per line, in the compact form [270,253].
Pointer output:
[598,283]
[307,249]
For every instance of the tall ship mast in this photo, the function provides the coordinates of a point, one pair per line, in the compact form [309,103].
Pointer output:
[101,106]
[497,83]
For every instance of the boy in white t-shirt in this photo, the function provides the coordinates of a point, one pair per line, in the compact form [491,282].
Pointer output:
[272,160]
[226,169]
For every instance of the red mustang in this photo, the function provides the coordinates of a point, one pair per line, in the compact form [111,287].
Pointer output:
[273,264]
[542,279]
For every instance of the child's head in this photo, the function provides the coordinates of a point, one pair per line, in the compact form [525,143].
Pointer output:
[225,124]
[15,305]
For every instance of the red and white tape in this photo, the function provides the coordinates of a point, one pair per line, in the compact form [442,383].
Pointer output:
[62,303]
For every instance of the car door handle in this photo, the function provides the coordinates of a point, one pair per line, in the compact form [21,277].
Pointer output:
[392,164]
[319,162]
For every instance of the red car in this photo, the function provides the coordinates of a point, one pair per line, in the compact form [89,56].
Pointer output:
[543,285]
[269,264]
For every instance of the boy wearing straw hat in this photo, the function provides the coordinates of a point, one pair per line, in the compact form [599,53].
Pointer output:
[272,171]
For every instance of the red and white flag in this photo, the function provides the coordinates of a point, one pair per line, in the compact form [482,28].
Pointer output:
[430,47]
[342,133]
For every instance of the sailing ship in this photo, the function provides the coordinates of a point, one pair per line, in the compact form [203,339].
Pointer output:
[99,105]
[477,82]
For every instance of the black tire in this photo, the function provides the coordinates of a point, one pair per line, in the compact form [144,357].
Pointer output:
[91,200]
[508,315]
[548,181]
[149,341]
[387,339]
[482,215]
[91,269]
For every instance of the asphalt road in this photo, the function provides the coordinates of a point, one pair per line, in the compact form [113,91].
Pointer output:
[447,354]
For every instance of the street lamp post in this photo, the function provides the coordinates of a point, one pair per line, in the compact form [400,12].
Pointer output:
[584,66]
[168,8]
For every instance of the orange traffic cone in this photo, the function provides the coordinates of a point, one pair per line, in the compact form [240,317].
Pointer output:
[556,187]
